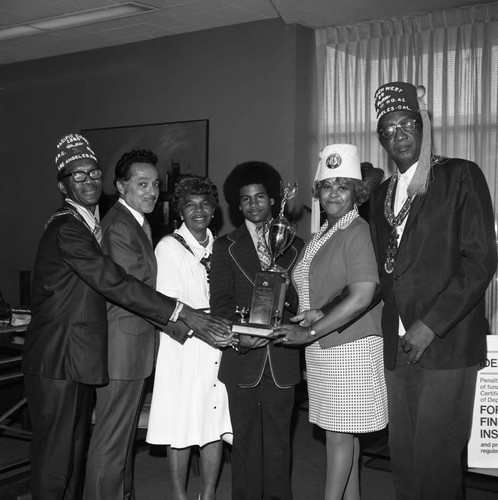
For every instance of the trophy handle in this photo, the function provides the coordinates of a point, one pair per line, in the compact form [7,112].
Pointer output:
[292,231]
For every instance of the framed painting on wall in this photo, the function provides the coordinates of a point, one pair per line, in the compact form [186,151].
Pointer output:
[181,148]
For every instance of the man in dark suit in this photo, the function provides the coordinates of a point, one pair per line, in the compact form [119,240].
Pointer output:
[433,230]
[126,238]
[65,351]
[259,377]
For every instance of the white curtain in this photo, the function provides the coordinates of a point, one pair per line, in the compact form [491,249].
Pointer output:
[453,53]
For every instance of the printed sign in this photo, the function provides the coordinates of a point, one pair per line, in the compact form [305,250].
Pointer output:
[483,444]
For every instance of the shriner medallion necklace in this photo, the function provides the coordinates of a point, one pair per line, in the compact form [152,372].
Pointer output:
[394,222]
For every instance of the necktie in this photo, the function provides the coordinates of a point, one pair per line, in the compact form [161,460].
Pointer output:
[148,231]
[97,232]
[262,249]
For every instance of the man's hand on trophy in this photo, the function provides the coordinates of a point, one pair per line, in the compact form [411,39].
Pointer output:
[215,331]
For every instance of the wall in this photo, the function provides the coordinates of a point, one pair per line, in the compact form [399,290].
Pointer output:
[252,81]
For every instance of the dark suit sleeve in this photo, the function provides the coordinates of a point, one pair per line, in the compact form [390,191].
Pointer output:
[474,225]
[81,253]
[221,282]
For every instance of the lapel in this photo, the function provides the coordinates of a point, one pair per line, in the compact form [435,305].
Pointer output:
[147,249]
[243,252]
[245,256]
[67,208]
[379,207]
[418,201]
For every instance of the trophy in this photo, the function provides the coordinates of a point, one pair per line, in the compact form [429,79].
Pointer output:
[270,286]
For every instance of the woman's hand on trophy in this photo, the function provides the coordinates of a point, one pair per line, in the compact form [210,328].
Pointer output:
[307,318]
[290,335]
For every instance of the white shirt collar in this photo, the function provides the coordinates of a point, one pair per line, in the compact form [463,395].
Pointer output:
[199,250]
[138,216]
[87,215]
[252,228]
[401,195]
[408,174]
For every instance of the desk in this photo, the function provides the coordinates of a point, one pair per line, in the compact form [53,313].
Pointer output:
[12,336]
[12,339]
[13,329]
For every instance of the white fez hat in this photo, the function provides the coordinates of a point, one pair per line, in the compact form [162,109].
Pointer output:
[336,160]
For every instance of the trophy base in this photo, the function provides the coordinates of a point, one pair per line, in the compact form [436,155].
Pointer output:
[252,329]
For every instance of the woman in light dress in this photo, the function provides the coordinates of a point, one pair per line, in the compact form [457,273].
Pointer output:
[189,405]
[336,276]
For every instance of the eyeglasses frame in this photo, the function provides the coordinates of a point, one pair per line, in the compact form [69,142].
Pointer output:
[87,174]
[400,125]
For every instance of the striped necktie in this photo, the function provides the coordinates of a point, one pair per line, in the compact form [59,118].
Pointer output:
[262,249]
[148,231]
[97,232]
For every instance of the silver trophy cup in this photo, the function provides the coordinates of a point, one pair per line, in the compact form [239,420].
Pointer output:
[281,233]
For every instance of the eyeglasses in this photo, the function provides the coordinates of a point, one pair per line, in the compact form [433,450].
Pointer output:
[80,175]
[389,131]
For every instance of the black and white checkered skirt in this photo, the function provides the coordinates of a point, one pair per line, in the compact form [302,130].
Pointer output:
[346,386]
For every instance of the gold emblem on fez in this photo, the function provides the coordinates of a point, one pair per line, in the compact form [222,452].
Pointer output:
[333,161]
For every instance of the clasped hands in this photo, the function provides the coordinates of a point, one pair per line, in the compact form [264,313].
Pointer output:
[296,333]
[416,340]
[215,331]
[293,334]
[299,331]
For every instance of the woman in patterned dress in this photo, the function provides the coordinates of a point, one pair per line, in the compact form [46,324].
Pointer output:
[347,393]
[189,405]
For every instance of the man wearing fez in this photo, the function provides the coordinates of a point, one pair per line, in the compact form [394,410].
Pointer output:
[259,377]
[433,231]
[65,352]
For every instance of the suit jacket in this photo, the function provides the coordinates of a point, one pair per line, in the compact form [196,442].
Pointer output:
[67,336]
[234,265]
[445,261]
[131,338]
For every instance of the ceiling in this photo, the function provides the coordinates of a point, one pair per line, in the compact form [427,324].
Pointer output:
[173,17]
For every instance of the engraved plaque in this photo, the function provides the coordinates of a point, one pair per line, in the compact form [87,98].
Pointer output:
[267,304]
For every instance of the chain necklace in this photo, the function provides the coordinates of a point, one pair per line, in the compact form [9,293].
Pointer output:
[394,222]
[204,240]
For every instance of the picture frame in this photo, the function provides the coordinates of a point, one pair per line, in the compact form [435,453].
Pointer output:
[178,145]
[182,148]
